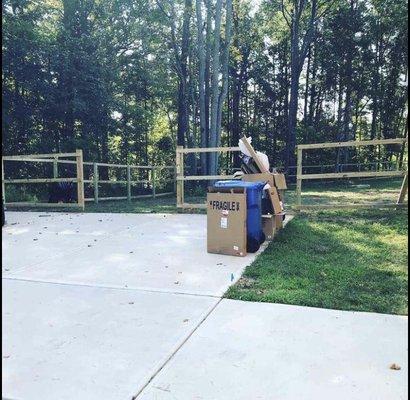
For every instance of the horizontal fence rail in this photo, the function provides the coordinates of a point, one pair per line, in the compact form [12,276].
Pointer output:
[55,159]
[181,178]
[300,176]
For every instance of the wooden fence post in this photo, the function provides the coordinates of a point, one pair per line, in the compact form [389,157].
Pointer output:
[299,180]
[80,178]
[55,168]
[95,182]
[153,182]
[403,190]
[174,172]
[128,183]
[180,174]
[3,186]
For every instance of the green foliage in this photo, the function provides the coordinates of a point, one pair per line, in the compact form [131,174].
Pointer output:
[103,76]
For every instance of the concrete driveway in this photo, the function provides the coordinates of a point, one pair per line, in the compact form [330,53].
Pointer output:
[122,306]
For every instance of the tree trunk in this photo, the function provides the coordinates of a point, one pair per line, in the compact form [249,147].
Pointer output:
[183,90]
[201,84]
[294,94]
[225,67]
[214,86]
[208,77]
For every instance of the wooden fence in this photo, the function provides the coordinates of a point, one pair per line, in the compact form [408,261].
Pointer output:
[181,178]
[152,180]
[337,175]
[47,158]
[61,158]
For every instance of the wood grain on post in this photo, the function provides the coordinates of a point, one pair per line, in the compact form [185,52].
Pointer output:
[95,182]
[3,186]
[403,190]
[153,182]
[180,174]
[80,178]
[299,178]
[128,183]
[55,167]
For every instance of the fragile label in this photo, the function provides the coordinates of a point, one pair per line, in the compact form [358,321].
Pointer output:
[224,222]
[224,205]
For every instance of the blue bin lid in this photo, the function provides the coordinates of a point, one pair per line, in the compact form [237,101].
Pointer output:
[240,184]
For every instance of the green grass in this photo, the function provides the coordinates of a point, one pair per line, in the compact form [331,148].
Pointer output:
[147,205]
[348,260]
[359,191]
[343,191]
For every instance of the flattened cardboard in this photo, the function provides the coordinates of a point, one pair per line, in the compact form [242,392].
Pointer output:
[264,177]
[253,154]
[279,221]
[274,179]
[269,228]
[274,197]
[271,224]
[226,222]
[280,181]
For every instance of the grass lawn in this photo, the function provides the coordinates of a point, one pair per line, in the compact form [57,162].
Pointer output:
[353,191]
[348,260]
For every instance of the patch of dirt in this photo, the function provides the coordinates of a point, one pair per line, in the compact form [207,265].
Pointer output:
[321,249]
[246,283]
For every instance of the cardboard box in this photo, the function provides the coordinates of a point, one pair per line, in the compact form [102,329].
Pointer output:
[264,177]
[268,226]
[275,199]
[271,224]
[226,221]
[280,181]
[278,221]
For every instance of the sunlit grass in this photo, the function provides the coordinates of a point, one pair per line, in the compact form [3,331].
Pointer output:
[349,260]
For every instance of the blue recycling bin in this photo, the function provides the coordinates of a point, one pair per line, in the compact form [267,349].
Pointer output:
[254,191]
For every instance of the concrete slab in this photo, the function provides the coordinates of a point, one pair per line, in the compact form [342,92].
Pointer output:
[46,236]
[267,351]
[159,252]
[69,342]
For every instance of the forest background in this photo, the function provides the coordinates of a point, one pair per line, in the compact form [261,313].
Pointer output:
[129,80]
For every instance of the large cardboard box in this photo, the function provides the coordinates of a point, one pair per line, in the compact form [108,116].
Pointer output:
[264,177]
[226,221]
[280,181]
[268,226]
[272,224]
[274,179]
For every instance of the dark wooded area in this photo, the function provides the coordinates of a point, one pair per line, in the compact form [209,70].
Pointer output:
[128,80]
